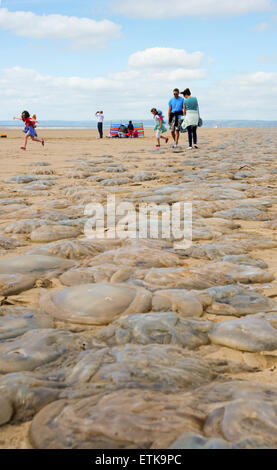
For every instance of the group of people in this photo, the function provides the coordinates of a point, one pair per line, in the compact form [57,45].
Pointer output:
[123,132]
[183,116]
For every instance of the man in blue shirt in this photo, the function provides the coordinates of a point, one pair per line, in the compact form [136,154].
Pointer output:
[175,113]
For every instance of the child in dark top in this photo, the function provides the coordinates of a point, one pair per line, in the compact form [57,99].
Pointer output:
[130,129]
[29,130]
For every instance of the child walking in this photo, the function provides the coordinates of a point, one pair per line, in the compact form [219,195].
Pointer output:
[159,126]
[30,128]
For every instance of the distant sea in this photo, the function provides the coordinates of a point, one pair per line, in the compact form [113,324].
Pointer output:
[148,124]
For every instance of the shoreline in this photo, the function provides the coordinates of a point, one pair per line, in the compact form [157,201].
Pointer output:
[148,127]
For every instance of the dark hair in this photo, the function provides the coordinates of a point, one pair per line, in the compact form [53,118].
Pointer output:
[176,89]
[130,122]
[26,114]
[186,92]
[154,110]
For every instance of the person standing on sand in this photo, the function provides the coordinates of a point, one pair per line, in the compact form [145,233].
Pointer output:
[191,120]
[130,129]
[175,113]
[30,131]
[100,118]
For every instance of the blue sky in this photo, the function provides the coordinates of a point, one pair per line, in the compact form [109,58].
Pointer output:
[65,59]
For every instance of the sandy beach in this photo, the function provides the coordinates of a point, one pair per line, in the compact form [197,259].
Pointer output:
[231,181]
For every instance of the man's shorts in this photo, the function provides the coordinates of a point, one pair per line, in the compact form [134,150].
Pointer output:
[176,128]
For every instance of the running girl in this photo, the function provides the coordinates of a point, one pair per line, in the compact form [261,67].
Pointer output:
[30,125]
[159,126]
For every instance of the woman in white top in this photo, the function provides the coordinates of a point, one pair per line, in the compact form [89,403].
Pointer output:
[100,118]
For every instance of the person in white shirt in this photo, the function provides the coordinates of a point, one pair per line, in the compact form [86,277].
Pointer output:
[100,118]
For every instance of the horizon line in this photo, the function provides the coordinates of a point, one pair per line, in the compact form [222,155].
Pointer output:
[141,120]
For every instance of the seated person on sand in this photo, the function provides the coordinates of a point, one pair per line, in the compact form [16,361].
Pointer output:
[122,132]
[112,136]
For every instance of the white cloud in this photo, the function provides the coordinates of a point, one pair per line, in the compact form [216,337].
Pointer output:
[131,93]
[268,59]
[127,75]
[248,96]
[175,8]
[260,28]
[211,60]
[83,33]
[58,83]
[180,74]
[255,80]
[75,97]
[144,85]
[265,25]
[161,57]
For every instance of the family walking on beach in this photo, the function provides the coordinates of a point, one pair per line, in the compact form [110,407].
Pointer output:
[183,116]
